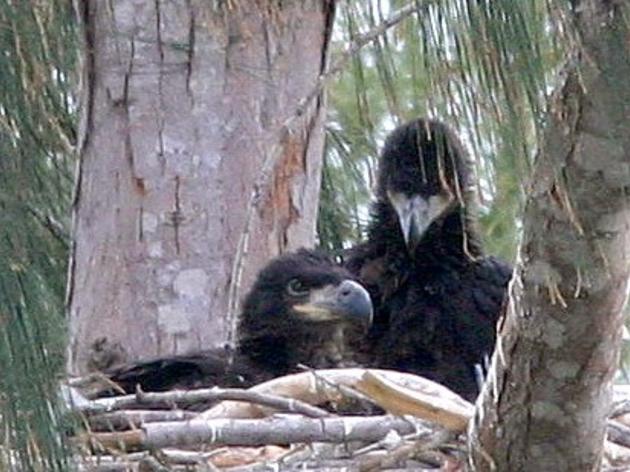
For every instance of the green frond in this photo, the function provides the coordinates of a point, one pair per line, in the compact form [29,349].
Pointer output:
[36,139]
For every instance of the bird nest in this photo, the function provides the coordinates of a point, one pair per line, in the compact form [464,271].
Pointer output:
[339,419]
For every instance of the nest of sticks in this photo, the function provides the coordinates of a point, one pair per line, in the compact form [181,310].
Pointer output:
[338,419]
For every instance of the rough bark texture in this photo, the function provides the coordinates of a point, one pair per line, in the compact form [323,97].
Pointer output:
[183,99]
[545,404]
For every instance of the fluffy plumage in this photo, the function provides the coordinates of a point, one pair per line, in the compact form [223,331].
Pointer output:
[295,313]
[436,296]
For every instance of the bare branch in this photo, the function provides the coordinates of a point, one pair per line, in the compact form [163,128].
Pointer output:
[285,429]
[179,397]
[128,419]
[453,415]
[405,451]
[319,386]
[618,433]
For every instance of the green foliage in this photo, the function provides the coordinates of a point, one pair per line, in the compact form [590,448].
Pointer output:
[38,44]
[482,66]
[340,219]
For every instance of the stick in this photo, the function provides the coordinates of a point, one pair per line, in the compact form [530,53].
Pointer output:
[405,451]
[274,430]
[618,433]
[128,419]
[176,397]
[309,387]
[400,400]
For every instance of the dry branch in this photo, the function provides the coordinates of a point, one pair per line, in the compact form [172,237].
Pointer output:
[399,400]
[620,408]
[128,419]
[405,451]
[391,441]
[226,456]
[284,429]
[618,433]
[320,386]
[204,395]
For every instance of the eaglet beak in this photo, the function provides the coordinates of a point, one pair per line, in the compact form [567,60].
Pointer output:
[348,301]
[416,214]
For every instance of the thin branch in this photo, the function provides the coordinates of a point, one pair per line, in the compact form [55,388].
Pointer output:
[343,390]
[621,407]
[151,464]
[215,394]
[321,386]
[128,419]
[618,433]
[274,430]
[111,463]
[431,440]
[452,413]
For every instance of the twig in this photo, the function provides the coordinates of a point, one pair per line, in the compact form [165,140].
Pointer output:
[151,464]
[385,443]
[127,419]
[214,394]
[93,384]
[285,429]
[276,402]
[621,407]
[618,433]
[405,451]
[272,155]
[298,454]
[179,456]
[342,389]
[109,463]
[309,387]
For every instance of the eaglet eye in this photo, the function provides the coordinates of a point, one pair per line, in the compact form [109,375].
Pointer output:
[296,288]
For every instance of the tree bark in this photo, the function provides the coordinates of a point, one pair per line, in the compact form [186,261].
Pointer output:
[183,100]
[545,403]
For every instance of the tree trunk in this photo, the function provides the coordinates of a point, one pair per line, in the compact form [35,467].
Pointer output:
[545,404]
[183,100]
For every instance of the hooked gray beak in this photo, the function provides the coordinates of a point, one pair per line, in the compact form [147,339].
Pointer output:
[416,214]
[348,301]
